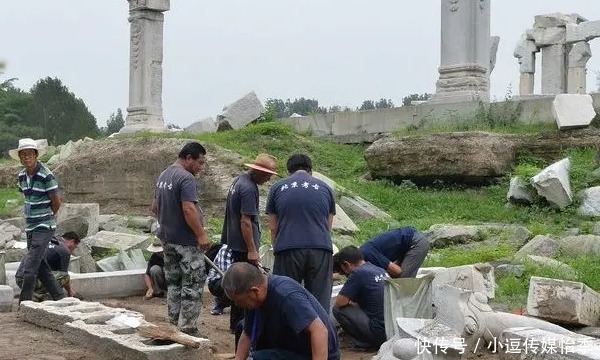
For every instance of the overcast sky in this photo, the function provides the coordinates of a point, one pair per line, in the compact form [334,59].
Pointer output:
[336,51]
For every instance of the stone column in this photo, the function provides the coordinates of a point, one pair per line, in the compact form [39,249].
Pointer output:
[554,66]
[145,65]
[578,57]
[525,54]
[465,52]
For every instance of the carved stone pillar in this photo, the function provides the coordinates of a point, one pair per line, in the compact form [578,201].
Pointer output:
[525,54]
[465,52]
[578,57]
[145,65]
[554,69]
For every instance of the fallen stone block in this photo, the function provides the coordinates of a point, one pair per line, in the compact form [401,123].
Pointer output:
[580,245]
[561,301]
[143,223]
[478,278]
[108,240]
[125,343]
[590,202]
[99,328]
[529,343]
[573,110]
[443,235]
[8,233]
[83,219]
[342,222]
[55,314]
[337,189]
[6,298]
[110,222]
[360,208]
[202,126]
[540,245]
[553,184]
[240,113]
[520,192]
[564,270]
[112,284]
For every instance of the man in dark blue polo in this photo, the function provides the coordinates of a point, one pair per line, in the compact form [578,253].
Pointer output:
[399,251]
[282,320]
[301,209]
[359,305]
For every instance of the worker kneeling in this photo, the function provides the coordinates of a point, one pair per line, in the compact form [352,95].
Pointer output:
[359,305]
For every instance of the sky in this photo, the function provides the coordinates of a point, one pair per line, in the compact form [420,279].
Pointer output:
[339,52]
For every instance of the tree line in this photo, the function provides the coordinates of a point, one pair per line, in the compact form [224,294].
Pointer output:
[46,111]
[280,108]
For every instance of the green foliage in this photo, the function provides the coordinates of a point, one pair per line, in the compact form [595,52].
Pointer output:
[115,122]
[408,99]
[458,255]
[12,194]
[60,113]
[367,105]
[302,106]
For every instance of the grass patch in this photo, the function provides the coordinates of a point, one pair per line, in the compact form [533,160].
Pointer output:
[10,198]
[408,205]
[480,253]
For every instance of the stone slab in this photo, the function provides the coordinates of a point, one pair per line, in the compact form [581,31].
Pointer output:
[360,208]
[109,284]
[83,219]
[118,241]
[572,111]
[561,301]
[342,222]
[530,343]
[100,328]
[6,298]
[241,112]
[556,20]
[119,343]
[590,202]
[553,184]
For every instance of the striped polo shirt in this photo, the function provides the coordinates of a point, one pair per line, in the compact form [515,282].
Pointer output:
[37,190]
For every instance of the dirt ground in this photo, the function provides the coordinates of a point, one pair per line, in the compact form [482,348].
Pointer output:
[20,340]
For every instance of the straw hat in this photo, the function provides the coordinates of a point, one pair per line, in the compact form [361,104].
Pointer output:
[265,163]
[155,247]
[25,144]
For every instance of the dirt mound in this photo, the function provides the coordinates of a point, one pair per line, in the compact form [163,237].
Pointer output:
[120,174]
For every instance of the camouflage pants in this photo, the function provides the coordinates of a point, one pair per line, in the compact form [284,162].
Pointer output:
[185,277]
[40,293]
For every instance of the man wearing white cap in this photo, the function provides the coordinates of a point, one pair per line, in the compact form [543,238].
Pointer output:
[154,278]
[42,201]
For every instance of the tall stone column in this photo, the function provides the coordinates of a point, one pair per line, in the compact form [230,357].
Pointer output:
[145,65]
[579,55]
[525,54]
[465,52]
[554,69]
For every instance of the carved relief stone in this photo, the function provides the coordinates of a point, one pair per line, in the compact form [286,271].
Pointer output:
[453,5]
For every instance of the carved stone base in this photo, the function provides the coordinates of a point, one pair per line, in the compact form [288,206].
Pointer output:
[462,83]
[140,120]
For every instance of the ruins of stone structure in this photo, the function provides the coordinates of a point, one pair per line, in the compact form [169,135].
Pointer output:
[145,65]
[562,40]
[465,52]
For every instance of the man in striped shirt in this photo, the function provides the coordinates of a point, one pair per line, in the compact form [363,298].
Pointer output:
[42,201]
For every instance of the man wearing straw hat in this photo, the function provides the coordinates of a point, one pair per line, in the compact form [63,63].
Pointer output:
[154,278]
[241,230]
[42,201]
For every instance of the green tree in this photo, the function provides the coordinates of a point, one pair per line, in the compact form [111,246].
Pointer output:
[384,104]
[60,114]
[367,105]
[406,101]
[115,122]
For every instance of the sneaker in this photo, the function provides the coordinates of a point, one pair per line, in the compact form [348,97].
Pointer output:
[216,311]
